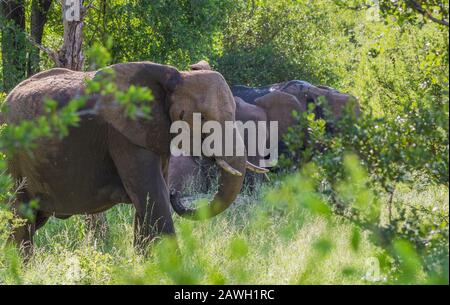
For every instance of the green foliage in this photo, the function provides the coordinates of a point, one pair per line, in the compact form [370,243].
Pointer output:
[255,242]
[267,42]
[403,11]
[135,100]
[418,242]
[174,32]
[98,55]
[395,151]
[416,12]
[400,75]
[13,65]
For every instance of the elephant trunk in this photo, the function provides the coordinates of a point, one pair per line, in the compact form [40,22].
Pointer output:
[232,173]
[230,184]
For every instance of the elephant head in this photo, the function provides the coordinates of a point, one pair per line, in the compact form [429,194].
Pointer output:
[201,65]
[275,106]
[339,101]
[279,106]
[179,95]
[308,93]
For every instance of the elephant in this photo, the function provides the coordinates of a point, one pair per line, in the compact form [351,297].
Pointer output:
[110,158]
[305,93]
[273,100]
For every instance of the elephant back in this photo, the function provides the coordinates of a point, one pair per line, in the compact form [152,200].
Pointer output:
[26,100]
[249,94]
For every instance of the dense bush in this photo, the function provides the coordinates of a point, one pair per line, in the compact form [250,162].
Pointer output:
[398,69]
[401,80]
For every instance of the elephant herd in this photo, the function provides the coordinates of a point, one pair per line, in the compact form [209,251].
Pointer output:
[110,158]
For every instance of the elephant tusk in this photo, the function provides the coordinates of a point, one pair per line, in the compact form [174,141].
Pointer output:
[256,169]
[227,167]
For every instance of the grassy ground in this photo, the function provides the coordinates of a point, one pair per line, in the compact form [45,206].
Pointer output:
[253,242]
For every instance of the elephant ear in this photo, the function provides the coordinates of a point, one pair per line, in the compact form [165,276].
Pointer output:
[201,65]
[160,79]
[279,106]
[145,74]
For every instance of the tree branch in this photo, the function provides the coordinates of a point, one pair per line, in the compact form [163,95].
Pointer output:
[419,8]
[50,53]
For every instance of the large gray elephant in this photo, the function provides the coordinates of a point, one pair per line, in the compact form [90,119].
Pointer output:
[110,158]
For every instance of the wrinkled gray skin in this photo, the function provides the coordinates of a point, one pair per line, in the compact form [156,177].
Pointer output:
[269,103]
[109,158]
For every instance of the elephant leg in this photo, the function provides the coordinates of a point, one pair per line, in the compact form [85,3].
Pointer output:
[142,176]
[40,221]
[23,236]
[97,225]
[23,231]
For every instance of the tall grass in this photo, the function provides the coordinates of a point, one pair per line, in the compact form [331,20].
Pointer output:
[255,241]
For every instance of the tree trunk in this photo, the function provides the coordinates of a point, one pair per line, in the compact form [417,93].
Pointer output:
[14,44]
[71,55]
[39,12]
